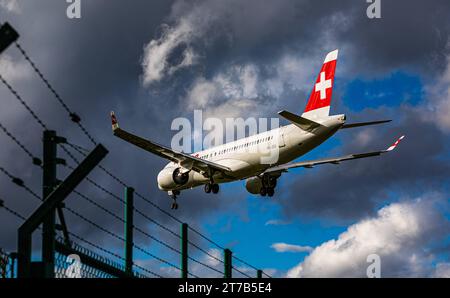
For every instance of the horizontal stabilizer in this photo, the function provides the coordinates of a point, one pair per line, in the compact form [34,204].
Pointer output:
[358,124]
[303,123]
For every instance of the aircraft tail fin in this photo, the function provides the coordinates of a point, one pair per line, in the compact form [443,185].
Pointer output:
[318,106]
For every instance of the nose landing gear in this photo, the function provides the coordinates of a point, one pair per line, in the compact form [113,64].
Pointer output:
[173,195]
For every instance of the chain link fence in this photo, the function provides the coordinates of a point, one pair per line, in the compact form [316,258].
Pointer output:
[68,267]
[80,262]
[7,265]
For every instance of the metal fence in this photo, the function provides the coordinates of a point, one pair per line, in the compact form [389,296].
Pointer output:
[7,265]
[56,260]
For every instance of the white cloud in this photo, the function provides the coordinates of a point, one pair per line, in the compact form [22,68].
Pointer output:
[285,247]
[442,270]
[241,90]
[157,52]
[276,222]
[188,29]
[12,70]
[397,234]
[439,104]
[10,5]
[231,93]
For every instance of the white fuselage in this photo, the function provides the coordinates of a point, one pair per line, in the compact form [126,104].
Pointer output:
[248,157]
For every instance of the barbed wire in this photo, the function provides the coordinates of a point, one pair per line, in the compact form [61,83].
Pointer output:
[73,116]
[79,150]
[99,206]
[19,98]
[77,214]
[206,238]
[241,272]
[117,197]
[152,237]
[120,238]
[205,265]
[123,221]
[205,252]
[249,265]
[112,253]
[18,215]
[37,161]
[19,182]
[13,212]
[195,245]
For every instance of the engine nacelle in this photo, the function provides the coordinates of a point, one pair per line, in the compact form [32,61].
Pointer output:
[179,177]
[171,178]
[253,185]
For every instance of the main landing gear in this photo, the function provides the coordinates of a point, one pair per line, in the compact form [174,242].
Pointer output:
[268,187]
[173,194]
[212,187]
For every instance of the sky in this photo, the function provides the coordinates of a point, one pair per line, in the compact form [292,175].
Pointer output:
[154,61]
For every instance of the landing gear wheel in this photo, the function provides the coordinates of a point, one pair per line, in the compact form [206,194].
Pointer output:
[215,188]
[272,182]
[208,188]
[270,191]
[263,191]
[173,195]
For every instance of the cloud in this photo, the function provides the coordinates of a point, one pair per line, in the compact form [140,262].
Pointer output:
[14,70]
[280,44]
[442,270]
[284,247]
[231,93]
[425,125]
[157,52]
[400,234]
[10,5]
[243,90]
[276,222]
[439,108]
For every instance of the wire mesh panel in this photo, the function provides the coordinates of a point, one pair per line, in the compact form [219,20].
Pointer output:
[7,265]
[77,261]
[68,267]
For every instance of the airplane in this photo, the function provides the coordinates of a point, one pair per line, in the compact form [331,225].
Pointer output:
[238,160]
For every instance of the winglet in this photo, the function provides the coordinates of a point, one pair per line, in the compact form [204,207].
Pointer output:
[392,147]
[115,124]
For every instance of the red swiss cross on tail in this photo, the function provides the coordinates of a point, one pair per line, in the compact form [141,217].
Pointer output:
[318,105]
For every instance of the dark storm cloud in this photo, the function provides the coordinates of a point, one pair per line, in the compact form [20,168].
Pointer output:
[355,189]
[95,63]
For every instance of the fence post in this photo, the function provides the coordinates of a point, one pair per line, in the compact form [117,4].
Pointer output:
[8,35]
[259,273]
[184,250]
[53,200]
[13,256]
[227,263]
[129,209]
[48,184]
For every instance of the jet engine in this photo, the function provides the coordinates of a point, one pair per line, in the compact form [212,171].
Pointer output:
[171,178]
[253,185]
[179,177]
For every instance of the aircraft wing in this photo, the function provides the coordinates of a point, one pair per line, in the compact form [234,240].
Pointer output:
[336,160]
[184,160]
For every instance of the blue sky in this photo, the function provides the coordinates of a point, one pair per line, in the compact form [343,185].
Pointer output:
[254,235]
